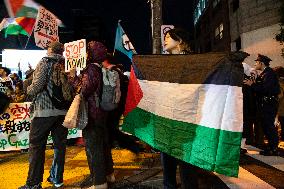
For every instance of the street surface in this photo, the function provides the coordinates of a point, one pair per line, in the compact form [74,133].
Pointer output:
[143,171]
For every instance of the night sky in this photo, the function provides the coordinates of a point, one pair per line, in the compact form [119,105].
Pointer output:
[97,19]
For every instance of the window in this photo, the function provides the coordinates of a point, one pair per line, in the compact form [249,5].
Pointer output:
[215,3]
[219,32]
[200,6]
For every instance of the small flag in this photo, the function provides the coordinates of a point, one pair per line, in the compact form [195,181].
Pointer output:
[122,42]
[190,107]
[16,26]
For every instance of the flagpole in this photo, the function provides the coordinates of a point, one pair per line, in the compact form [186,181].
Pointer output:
[29,37]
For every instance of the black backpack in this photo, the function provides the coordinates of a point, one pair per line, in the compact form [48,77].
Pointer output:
[62,93]
[4,102]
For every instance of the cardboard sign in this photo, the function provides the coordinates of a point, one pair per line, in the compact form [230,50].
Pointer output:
[46,28]
[75,55]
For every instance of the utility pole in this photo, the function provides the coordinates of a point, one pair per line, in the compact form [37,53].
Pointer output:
[156,22]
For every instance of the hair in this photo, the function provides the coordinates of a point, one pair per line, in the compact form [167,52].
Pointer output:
[179,34]
[7,70]
[56,47]
[96,52]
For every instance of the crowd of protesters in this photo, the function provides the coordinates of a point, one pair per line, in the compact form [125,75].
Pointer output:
[263,110]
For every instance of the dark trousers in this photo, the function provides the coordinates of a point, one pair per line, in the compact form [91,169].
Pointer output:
[40,129]
[115,135]
[188,173]
[98,150]
[268,111]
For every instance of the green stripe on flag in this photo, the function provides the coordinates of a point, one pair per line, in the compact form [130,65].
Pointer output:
[208,148]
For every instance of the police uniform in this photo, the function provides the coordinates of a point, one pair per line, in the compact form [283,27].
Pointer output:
[267,89]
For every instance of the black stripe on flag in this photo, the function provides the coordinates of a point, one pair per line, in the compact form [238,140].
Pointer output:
[208,68]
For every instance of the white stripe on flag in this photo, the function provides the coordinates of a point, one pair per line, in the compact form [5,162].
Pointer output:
[213,106]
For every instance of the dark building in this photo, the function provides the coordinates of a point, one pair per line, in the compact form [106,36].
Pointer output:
[211,25]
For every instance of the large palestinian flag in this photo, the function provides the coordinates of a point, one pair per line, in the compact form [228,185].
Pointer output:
[190,107]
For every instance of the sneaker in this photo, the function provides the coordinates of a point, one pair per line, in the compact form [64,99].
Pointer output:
[87,182]
[101,186]
[37,186]
[56,185]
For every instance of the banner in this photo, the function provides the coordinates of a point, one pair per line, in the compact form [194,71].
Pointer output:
[75,55]
[46,28]
[15,125]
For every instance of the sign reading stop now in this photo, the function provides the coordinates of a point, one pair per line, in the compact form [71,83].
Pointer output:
[75,55]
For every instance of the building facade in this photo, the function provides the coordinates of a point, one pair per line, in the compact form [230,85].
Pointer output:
[211,25]
[254,25]
[247,25]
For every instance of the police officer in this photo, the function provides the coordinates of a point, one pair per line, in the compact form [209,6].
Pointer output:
[267,88]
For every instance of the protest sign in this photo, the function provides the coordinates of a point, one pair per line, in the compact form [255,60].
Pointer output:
[15,125]
[46,28]
[75,55]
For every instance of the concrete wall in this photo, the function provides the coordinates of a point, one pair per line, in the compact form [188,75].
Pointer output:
[262,41]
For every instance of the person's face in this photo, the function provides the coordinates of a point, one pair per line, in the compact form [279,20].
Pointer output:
[170,43]
[49,51]
[258,65]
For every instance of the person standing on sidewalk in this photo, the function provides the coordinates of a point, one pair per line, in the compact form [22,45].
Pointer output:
[177,42]
[95,134]
[267,88]
[45,119]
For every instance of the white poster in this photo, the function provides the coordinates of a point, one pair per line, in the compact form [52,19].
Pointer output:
[46,28]
[75,55]
[164,29]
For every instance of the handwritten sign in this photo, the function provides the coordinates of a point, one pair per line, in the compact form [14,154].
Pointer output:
[46,28]
[75,55]
[15,126]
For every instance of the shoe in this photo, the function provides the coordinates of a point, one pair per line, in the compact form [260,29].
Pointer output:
[110,178]
[37,186]
[87,182]
[269,153]
[56,185]
[243,151]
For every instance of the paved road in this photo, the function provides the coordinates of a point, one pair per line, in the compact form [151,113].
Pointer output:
[144,171]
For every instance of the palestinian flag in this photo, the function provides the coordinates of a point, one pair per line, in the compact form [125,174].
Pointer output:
[22,8]
[16,26]
[190,107]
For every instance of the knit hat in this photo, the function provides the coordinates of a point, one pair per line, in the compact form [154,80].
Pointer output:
[96,52]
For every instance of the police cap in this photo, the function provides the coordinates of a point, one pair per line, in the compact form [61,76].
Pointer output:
[264,59]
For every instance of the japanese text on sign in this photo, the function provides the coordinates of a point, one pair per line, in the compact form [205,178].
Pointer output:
[15,125]
[46,28]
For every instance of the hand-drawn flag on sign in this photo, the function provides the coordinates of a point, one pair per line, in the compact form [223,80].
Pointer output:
[16,26]
[46,28]
[190,107]
[122,42]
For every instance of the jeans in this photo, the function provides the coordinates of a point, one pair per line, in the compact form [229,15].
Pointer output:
[40,129]
[98,150]
[188,173]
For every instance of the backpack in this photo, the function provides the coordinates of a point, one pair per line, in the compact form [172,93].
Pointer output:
[111,93]
[62,93]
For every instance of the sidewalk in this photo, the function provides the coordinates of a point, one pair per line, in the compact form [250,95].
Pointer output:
[131,171]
